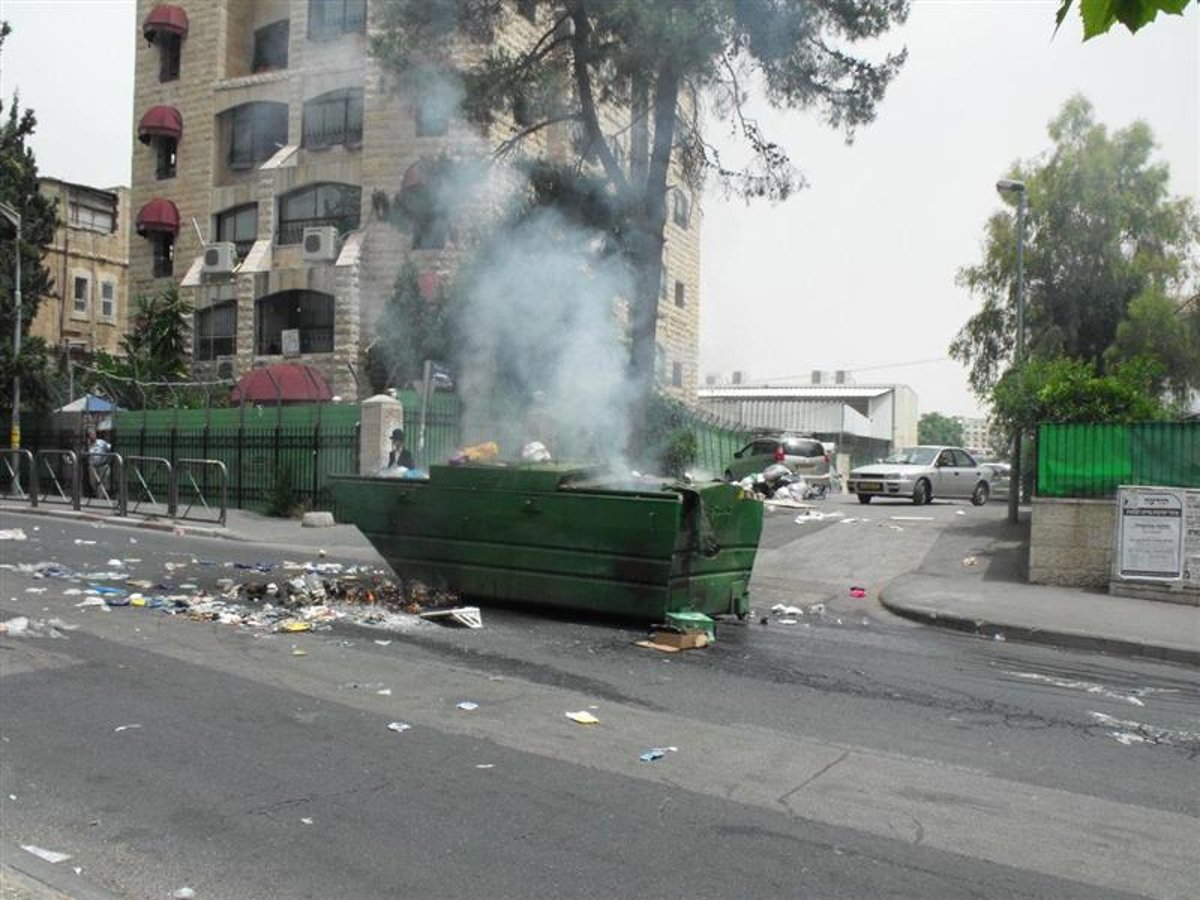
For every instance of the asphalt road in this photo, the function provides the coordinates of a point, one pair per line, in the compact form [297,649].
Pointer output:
[848,755]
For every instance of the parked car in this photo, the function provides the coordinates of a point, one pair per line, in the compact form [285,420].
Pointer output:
[804,455]
[998,474]
[921,474]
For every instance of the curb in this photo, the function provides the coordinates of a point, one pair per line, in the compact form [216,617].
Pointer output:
[1032,634]
[151,524]
[27,876]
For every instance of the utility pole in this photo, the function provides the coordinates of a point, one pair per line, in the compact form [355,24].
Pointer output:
[1008,186]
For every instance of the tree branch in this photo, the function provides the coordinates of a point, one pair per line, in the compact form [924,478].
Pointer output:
[580,58]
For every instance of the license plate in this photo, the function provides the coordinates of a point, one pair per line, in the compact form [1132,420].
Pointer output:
[870,485]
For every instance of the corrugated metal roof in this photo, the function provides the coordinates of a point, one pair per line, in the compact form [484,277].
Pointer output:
[794,392]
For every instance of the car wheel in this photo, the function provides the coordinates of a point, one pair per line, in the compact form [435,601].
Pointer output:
[980,496]
[864,498]
[921,493]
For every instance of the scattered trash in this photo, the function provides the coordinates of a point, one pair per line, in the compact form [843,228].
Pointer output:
[999,637]
[969,561]
[80,542]
[960,512]
[398,727]
[121,728]
[460,615]
[35,590]
[115,563]
[13,534]
[858,592]
[294,625]
[184,893]
[50,856]
[297,651]
[788,621]
[467,705]
[780,609]
[583,717]
[383,643]
[22,626]
[656,753]
[306,821]
[485,765]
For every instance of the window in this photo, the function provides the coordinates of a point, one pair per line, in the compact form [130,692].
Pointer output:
[164,254]
[239,225]
[215,331]
[82,294]
[93,211]
[433,113]
[677,374]
[309,312]
[108,299]
[330,18]
[334,118]
[271,47]
[527,8]
[680,295]
[164,151]
[682,209]
[256,131]
[169,50]
[318,204]
[963,459]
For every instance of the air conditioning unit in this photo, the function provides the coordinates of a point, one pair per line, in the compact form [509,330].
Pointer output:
[220,258]
[320,244]
[227,368]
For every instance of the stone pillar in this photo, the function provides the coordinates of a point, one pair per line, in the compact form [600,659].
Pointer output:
[378,416]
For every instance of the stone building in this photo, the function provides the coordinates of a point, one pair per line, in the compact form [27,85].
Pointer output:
[88,261]
[270,146]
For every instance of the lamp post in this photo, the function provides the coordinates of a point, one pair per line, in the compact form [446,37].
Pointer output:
[14,219]
[1009,186]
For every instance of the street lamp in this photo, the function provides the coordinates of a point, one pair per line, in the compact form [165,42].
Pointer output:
[13,218]
[1009,186]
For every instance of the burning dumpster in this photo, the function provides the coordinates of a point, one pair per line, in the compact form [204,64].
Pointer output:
[564,536]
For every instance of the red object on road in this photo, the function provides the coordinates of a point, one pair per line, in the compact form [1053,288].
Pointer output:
[282,383]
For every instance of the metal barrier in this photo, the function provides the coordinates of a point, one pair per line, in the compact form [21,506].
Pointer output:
[10,473]
[45,467]
[186,467]
[103,470]
[138,466]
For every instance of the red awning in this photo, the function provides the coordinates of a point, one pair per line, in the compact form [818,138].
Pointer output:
[160,120]
[281,383]
[166,17]
[158,215]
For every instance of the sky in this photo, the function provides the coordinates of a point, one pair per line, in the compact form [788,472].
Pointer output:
[856,272]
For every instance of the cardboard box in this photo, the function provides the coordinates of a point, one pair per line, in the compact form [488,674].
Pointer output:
[689,640]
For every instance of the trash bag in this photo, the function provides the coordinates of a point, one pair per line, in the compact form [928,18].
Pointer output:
[774,472]
[476,453]
[535,451]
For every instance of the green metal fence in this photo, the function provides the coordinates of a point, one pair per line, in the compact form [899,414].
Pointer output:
[1091,460]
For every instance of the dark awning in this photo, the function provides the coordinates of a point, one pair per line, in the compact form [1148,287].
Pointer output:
[160,120]
[158,215]
[166,17]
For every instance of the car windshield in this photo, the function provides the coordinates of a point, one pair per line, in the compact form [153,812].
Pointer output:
[913,456]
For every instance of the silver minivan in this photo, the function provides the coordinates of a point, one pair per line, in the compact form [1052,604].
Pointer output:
[804,455]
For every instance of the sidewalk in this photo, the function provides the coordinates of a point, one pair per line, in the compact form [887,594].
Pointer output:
[1065,617]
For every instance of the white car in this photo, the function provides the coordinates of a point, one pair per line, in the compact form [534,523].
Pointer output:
[922,473]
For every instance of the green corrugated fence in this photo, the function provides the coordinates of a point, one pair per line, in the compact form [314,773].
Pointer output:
[1092,459]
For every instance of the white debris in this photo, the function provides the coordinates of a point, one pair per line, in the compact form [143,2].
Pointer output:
[50,856]
[12,534]
[1090,687]
[398,727]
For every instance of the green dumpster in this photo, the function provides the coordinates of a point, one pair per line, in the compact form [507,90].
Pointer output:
[563,536]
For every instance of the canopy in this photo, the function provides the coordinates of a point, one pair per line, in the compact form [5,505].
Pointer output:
[158,215]
[283,383]
[166,17]
[88,403]
[160,120]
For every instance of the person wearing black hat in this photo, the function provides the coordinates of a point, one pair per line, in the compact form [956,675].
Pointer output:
[400,455]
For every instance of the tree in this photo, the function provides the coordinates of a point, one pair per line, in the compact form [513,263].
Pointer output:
[412,328]
[1100,231]
[934,428]
[1159,331]
[585,57]
[19,189]
[1101,15]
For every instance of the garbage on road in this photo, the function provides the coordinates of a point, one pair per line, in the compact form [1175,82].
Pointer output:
[398,727]
[467,705]
[13,534]
[582,717]
[656,753]
[857,592]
